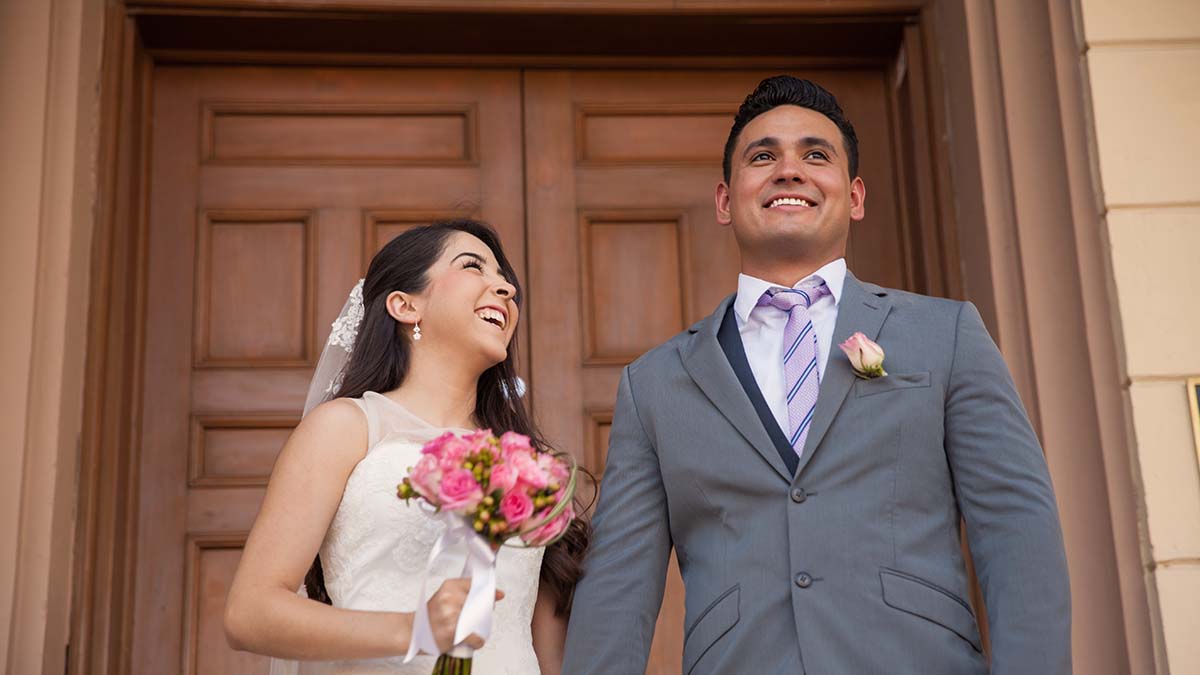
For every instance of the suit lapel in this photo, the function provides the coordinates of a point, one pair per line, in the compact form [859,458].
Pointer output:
[859,310]
[707,365]
[730,339]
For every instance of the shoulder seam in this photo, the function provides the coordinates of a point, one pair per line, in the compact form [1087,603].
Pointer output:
[954,350]
[633,400]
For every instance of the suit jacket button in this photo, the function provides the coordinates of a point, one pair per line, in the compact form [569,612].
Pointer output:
[799,495]
[804,580]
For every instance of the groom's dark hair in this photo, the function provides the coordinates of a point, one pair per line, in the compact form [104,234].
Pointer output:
[787,90]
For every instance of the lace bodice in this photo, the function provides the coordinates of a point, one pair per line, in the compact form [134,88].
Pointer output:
[375,551]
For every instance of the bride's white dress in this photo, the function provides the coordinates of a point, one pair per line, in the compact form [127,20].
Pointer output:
[375,551]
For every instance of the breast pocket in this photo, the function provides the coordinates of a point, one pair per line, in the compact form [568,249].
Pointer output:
[891,382]
[712,624]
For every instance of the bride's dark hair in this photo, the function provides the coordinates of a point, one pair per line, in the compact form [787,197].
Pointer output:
[380,360]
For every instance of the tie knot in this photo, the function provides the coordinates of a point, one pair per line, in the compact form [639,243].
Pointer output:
[787,298]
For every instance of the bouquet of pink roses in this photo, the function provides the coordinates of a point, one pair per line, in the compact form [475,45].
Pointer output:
[491,490]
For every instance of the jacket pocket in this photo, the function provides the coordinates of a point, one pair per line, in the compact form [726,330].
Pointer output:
[712,624]
[932,603]
[891,382]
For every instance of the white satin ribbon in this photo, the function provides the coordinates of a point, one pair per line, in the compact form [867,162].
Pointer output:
[461,552]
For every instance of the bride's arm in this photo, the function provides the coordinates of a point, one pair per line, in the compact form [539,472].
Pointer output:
[263,614]
[549,633]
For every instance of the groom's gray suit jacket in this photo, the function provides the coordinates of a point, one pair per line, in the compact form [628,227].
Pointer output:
[850,563]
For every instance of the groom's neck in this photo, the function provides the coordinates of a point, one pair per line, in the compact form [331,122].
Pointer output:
[785,272]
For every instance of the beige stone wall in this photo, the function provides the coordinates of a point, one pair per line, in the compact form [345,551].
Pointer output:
[49,70]
[1143,60]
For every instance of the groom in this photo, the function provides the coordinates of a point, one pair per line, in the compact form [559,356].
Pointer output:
[817,527]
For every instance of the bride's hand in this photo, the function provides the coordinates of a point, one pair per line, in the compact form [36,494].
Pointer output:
[444,609]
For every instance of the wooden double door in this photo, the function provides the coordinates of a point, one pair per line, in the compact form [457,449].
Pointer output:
[271,188]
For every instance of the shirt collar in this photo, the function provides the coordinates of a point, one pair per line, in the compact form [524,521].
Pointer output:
[750,289]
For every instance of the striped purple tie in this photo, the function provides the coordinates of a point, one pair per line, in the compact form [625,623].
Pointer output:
[801,377]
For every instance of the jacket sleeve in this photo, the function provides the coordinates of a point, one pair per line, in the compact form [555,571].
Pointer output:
[617,601]
[1004,492]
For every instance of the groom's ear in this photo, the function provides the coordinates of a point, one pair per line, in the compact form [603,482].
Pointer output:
[724,215]
[401,307]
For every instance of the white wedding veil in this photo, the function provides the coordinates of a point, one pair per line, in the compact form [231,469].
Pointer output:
[327,378]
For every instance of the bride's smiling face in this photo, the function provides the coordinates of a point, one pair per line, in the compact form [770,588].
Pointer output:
[468,303]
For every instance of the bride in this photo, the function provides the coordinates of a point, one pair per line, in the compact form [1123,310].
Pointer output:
[429,340]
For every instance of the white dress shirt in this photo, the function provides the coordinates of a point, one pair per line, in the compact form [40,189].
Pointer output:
[761,329]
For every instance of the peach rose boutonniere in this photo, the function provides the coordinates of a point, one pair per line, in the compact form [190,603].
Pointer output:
[866,357]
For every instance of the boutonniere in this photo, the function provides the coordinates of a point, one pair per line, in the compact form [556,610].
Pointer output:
[866,357]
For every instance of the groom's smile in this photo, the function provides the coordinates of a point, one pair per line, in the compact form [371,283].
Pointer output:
[791,203]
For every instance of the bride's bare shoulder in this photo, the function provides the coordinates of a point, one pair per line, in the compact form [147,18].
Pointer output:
[338,425]
[342,414]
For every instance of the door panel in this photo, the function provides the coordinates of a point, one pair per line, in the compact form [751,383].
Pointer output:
[270,190]
[621,169]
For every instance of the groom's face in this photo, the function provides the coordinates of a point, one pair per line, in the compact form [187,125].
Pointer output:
[790,193]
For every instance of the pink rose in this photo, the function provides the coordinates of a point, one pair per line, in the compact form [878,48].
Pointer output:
[516,507]
[553,467]
[453,453]
[459,491]
[866,357]
[512,442]
[477,441]
[434,447]
[504,477]
[551,530]
[528,471]
[426,477]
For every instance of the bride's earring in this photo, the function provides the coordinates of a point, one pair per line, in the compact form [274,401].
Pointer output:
[417,331]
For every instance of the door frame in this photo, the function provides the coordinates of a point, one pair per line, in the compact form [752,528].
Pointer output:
[972,208]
